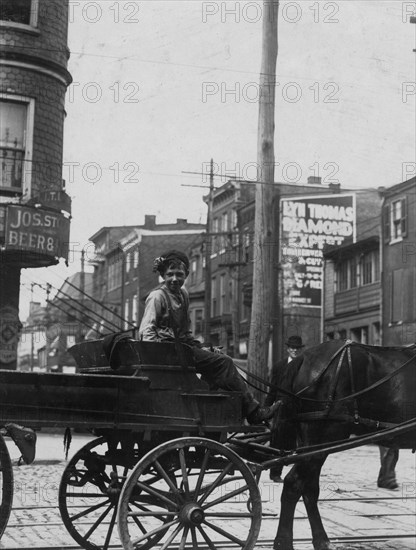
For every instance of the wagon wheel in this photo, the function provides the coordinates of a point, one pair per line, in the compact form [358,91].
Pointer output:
[191,492]
[90,489]
[6,485]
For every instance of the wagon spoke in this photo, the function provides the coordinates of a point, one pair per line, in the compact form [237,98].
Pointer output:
[183,539]
[146,512]
[194,538]
[215,484]
[183,469]
[97,522]
[110,529]
[88,510]
[227,496]
[202,471]
[225,534]
[155,493]
[137,521]
[171,537]
[158,530]
[168,480]
[206,538]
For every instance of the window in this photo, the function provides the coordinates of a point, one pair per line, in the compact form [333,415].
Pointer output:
[16,130]
[398,219]
[349,276]
[233,219]
[136,259]
[353,273]
[134,310]
[193,271]
[128,262]
[22,12]
[395,220]
[342,276]
[396,297]
[214,296]
[224,222]
[214,239]
[370,267]
[199,321]
[126,314]
[114,272]
[223,305]
[360,334]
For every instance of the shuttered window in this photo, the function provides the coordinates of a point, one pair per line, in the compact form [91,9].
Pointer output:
[397,292]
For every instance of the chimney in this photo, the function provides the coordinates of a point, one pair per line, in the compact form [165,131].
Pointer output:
[314,180]
[181,222]
[149,221]
[335,187]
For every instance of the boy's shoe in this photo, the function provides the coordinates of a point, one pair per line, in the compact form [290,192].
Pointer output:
[261,414]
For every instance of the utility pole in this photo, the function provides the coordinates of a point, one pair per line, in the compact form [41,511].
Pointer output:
[261,313]
[47,324]
[82,294]
[123,281]
[207,303]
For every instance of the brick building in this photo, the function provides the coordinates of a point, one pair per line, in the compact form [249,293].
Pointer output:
[352,284]
[34,208]
[123,262]
[370,286]
[398,262]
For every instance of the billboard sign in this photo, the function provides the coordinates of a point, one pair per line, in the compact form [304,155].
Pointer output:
[308,224]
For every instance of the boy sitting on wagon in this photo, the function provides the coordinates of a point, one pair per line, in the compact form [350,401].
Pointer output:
[166,318]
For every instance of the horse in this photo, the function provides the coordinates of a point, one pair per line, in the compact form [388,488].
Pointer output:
[337,389]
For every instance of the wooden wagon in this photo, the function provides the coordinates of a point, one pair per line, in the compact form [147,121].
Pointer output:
[173,464]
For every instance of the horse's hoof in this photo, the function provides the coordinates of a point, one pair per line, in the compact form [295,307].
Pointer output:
[283,544]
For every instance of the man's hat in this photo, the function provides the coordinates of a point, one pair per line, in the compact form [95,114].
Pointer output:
[294,342]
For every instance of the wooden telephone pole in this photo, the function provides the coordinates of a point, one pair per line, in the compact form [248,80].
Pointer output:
[208,240]
[261,313]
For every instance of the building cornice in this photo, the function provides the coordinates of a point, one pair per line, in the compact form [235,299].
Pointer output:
[35,63]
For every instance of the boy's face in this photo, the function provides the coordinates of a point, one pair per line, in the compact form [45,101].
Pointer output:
[174,278]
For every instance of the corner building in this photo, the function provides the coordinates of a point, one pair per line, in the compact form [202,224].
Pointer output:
[34,207]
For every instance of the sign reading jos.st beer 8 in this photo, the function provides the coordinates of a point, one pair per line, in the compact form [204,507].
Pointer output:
[308,224]
[37,230]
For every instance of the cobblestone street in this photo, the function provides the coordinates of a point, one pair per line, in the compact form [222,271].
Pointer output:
[35,520]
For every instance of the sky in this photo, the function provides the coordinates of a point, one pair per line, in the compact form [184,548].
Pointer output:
[161,87]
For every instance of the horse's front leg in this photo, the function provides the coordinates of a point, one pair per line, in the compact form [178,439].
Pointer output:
[292,491]
[310,472]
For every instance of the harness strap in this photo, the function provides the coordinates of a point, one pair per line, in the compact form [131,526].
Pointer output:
[319,376]
[323,415]
[334,381]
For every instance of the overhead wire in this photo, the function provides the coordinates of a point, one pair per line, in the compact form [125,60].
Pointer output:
[88,309]
[53,304]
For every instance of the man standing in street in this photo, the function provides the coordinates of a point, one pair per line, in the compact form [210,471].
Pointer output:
[282,436]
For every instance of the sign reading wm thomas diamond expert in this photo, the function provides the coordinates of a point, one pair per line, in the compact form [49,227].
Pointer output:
[37,230]
[308,225]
